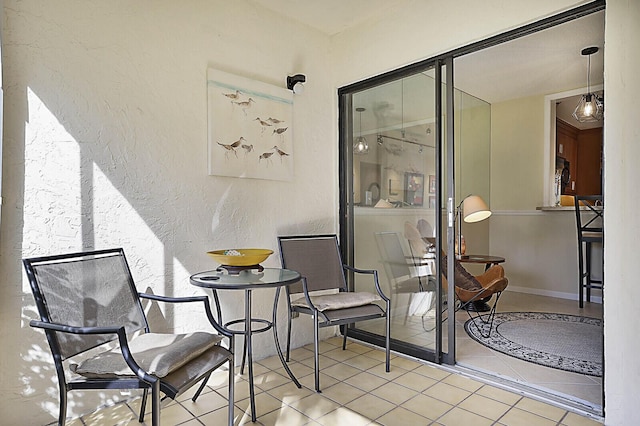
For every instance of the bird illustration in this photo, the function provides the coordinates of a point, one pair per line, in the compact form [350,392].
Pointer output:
[244,104]
[233,96]
[280,152]
[238,142]
[247,148]
[280,131]
[263,123]
[265,156]
[231,147]
[274,120]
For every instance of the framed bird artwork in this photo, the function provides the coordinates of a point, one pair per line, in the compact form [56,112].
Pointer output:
[249,128]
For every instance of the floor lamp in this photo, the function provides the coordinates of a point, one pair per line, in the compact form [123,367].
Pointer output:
[471,209]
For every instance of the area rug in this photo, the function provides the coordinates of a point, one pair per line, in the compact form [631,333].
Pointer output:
[566,342]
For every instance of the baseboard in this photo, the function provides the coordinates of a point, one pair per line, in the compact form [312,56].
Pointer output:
[549,293]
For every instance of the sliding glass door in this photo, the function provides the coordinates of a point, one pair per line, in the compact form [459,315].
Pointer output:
[403,137]
[390,187]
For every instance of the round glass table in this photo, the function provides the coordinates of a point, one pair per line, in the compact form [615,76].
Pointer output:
[249,280]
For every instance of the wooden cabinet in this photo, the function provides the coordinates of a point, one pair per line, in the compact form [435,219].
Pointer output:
[589,172]
[567,148]
[582,149]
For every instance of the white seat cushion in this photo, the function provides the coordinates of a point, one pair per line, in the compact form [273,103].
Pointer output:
[330,302]
[158,354]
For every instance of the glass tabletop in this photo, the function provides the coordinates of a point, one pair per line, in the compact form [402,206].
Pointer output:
[248,279]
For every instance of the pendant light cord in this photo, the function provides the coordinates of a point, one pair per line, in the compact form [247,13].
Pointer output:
[589,76]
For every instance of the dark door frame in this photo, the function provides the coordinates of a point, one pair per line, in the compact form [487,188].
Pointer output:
[345,153]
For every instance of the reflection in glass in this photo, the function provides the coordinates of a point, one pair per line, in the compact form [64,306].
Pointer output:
[395,187]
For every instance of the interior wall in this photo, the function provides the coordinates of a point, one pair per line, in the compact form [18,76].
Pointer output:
[517,154]
[106,146]
[529,239]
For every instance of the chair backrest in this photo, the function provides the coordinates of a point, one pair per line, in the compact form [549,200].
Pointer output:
[425,229]
[589,219]
[90,289]
[419,247]
[315,257]
[393,256]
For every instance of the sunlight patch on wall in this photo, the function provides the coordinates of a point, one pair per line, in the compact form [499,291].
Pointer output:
[116,223]
[52,198]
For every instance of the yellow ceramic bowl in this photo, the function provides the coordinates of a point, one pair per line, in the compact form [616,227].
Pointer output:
[247,257]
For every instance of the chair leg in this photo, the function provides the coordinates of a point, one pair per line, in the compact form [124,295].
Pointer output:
[580,275]
[316,351]
[231,391]
[588,270]
[155,403]
[490,317]
[344,338]
[143,404]
[202,385]
[388,339]
[62,416]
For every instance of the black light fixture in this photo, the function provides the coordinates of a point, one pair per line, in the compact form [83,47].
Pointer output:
[591,106]
[295,83]
[360,145]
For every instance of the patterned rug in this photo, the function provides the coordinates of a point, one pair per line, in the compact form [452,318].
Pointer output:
[565,342]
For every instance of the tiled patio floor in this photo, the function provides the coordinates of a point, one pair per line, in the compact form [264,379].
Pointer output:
[356,391]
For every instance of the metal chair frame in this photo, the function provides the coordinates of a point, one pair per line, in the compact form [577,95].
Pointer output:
[139,379]
[336,317]
[589,232]
[492,280]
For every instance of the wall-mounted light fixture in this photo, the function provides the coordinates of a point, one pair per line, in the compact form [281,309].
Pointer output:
[591,106]
[295,83]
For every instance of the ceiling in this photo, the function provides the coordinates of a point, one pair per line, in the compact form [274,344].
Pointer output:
[331,16]
[546,62]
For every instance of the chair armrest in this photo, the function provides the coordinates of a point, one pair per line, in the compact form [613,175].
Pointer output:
[207,308]
[375,279]
[122,339]
[305,292]
[360,271]
[64,328]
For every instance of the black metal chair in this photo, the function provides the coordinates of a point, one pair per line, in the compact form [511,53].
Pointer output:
[317,259]
[589,220]
[88,299]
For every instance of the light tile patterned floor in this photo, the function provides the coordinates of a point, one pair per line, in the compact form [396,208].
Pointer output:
[587,390]
[356,391]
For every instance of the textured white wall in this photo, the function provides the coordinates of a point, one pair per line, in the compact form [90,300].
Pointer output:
[106,145]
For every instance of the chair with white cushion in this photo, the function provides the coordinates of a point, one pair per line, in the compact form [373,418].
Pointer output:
[323,292]
[86,300]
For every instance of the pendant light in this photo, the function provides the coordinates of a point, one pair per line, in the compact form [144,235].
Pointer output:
[591,106]
[360,145]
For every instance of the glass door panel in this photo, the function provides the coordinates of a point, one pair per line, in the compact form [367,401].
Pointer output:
[394,162]
[412,149]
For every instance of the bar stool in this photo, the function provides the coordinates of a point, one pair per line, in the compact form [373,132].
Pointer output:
[589,222]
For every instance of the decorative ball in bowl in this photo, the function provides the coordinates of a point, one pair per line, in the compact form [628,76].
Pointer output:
[240,257]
